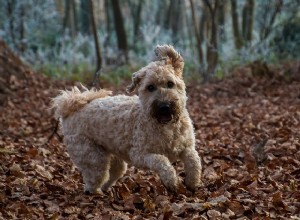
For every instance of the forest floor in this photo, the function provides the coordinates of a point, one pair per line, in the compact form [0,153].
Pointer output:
[247,132]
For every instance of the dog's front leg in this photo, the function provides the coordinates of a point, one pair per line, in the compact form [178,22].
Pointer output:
[161,165]
[192,167]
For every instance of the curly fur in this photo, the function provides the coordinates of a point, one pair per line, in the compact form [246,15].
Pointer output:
[71,101]
[103,133]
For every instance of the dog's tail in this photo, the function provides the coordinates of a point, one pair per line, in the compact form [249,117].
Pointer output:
[68,102]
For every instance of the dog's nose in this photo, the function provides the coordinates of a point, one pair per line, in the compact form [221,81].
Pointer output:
[164,108]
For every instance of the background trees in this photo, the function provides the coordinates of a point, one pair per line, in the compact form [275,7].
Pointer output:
[213,35]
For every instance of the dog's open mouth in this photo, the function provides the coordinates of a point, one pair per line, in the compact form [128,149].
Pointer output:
[165,118]
[164,112]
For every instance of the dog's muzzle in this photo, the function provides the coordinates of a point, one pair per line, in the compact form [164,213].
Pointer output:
[164,112]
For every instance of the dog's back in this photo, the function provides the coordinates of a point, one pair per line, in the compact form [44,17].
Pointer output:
[71,101]
[107,120]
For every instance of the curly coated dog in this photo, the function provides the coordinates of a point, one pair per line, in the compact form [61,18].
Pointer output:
[103,133]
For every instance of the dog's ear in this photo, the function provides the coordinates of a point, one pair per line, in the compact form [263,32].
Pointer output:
[171,56]
[136,78]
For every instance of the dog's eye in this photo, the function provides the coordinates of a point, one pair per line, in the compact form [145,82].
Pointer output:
[151,88]
[170,85]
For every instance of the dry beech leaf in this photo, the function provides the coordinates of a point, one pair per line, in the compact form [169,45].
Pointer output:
[71,209]
[124,191]
[43,172]
[213,214]
[277,200]
[210,174]
[232,172]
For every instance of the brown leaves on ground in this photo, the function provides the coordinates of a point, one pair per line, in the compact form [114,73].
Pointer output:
[247,130]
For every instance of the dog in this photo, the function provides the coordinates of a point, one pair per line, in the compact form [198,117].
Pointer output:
[150,130]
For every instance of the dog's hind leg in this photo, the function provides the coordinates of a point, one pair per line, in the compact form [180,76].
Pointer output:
[91,160]
[117,169]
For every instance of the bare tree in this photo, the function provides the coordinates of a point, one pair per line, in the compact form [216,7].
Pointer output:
[248,17]
[136,11]
[266,30]
[221,20]
[84,17]
[69,17]
[197,34]
[97,46]
[109,28]
[120,30]
[212,47]
[235,25]
[75,19]
[208,28]
[176,19]
[159,18]
[66,14]
[168,13]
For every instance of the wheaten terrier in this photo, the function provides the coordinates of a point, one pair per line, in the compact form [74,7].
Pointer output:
[150,131]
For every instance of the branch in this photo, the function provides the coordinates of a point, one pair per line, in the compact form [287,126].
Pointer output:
[211,10]
[54,132]
[277,10]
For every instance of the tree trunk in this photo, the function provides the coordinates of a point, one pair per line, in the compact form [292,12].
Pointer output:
[108,16]
[68,21]
[159,18]
[212,48]
[75,19]
[137,20]
[189,28]
[197,34]
[176,19]
[221,20]
[251,20]
[10,11]
[84,17]
[235,25]
[120,30]
[267,29]
[136,11]
[22,45]
[66,14]
[167,21]
[204,19]
[97,46]
[248,16]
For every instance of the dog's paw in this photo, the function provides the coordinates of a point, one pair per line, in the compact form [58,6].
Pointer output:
[172,189]
[89,191]
[106,188]
[192,185]
[192,189]
[172,185]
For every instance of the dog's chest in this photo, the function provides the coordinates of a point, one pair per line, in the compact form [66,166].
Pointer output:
[168,140]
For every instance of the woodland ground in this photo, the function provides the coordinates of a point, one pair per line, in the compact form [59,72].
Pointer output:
[247,128]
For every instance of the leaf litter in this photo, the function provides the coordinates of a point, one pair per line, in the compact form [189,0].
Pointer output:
[247,130]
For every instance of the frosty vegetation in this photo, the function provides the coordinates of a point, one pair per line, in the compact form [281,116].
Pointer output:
[214,36]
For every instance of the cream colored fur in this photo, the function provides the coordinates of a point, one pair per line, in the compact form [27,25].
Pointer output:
[71,101]
[103,133]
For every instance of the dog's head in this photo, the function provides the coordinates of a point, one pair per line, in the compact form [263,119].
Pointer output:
[160,85]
